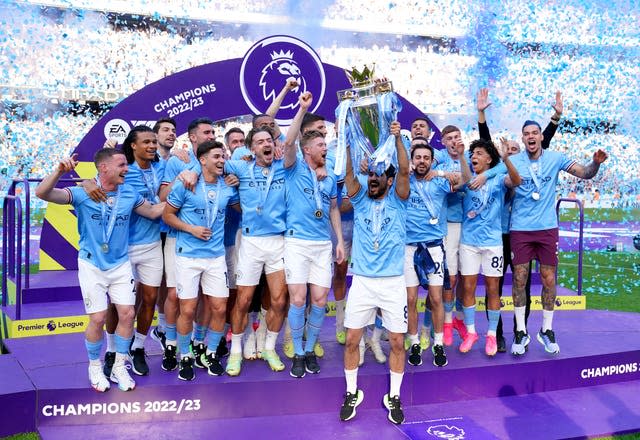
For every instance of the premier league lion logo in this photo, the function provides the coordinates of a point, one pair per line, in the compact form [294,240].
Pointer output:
[282,69]
[270,64]
[446,432]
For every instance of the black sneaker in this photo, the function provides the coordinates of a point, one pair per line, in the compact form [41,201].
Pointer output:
[415,357]
[198,351]
[548,339]
[138,362]
[311,363]
[222,349]
[212,363]
[109,359]
[502,344]
[396,415]
[351,402]
[186,369]
[169,360]
[160,337]
[520,343]
[297,368]
[439,356]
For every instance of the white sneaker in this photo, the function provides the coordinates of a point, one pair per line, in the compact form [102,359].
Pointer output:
[249,348]
[98,380]
[120,375]
[376,349]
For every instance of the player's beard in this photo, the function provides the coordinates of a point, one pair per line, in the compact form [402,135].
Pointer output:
[419,174]
[377,191]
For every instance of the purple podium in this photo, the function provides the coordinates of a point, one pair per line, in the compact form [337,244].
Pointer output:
[49,388]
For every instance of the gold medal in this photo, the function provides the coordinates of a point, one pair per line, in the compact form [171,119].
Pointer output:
[318,213]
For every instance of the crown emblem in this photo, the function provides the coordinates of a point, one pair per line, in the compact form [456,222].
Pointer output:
[282,55]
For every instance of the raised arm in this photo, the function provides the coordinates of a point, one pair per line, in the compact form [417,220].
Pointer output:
[277,102]
[589,170]
[402,176]
[336,224]
[550,129]
[483,103]
[350,179]
[47,190]
[465,171]
[513,179]
[293,132]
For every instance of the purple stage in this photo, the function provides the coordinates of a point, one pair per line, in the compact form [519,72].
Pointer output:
[580,390]
[602,410]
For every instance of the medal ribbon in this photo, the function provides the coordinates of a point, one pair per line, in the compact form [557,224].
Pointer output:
[534,173]
[378,213]
[152,186]
[424,195]
[263,196]
[106,232]
[316,189]
[485,192]
[211,214]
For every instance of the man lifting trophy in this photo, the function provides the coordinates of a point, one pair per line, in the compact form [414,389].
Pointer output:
[368,129]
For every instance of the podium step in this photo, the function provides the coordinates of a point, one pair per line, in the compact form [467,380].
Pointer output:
[590,356]
[17,398]
[576,413]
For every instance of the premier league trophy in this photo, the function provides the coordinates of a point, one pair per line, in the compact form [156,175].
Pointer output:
[363,116]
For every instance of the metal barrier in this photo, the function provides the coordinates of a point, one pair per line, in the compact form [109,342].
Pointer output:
[14,241]
[12,251]
[580,236]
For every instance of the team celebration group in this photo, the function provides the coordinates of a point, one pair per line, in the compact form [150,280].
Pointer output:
[249,236]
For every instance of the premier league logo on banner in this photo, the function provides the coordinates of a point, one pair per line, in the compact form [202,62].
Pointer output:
[267,67]
[446,432]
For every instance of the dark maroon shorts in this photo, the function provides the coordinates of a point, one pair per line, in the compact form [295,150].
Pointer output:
[535,245]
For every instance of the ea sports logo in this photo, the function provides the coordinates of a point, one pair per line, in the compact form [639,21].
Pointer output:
[267,67]
[117,129]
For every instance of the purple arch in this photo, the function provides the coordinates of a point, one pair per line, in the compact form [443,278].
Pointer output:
[212,90]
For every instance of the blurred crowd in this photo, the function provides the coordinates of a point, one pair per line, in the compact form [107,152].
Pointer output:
[522,51]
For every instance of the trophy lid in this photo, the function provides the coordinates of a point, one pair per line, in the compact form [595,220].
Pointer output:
[364,86]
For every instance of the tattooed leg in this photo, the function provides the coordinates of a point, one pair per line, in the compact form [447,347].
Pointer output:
[548,274]
[521,272]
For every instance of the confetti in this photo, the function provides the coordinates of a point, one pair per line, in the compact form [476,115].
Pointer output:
[436,52]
